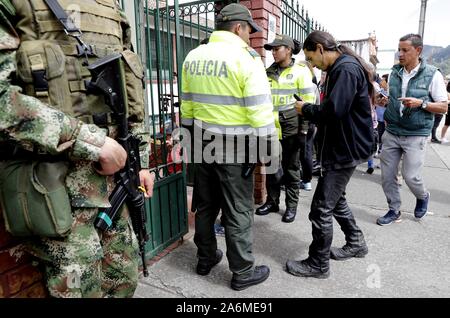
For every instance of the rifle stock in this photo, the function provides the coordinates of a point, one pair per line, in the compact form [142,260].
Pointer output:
[108,80]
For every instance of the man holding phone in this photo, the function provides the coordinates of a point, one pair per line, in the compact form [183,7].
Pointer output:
[416,92]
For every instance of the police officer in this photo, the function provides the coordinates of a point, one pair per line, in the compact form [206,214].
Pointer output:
[225,93]
[286,79]
[51,70]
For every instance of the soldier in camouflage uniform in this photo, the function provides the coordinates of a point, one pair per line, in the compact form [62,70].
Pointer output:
[86,263]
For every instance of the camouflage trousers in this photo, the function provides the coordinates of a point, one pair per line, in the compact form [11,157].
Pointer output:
[88,263]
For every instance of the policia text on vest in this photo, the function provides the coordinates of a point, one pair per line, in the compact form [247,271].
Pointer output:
[207,68]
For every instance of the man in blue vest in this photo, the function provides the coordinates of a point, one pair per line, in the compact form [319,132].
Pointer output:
[417,92]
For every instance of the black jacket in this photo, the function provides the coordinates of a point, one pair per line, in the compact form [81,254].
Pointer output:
[344,120]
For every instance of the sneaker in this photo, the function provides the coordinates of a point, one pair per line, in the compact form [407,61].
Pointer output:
[421,207]
[346,252]
[305,186]
[370,170]
[204,267]
[219,230]
[259,275]
[444,140]
[389,218]
[304,269]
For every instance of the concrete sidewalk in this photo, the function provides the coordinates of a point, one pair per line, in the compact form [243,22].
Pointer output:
[407,259]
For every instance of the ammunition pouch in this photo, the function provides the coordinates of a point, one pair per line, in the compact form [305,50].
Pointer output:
[134,79]
[41,66]
[34,199]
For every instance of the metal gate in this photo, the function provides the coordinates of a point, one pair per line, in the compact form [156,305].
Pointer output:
[167,215]
[165,33]
[295,22]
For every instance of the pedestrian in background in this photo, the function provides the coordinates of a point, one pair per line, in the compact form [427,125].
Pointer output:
[447,118]
[416,93]
[381,100]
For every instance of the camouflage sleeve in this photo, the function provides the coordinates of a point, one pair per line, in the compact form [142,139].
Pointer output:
[27,121]
[32,124]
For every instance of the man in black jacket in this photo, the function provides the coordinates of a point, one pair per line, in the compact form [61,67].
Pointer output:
[345,140]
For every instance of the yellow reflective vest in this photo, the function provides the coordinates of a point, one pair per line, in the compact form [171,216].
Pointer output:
[224,85]
[295,79]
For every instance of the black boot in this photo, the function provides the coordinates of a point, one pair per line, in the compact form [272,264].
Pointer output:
[289,215]
[346,252]
[204,267]
[305,269]
[267,208]
[259,275]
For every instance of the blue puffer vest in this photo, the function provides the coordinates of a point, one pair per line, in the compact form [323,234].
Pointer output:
[419,122]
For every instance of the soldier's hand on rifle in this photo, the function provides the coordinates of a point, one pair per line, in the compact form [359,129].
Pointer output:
[112,158]
[147,181]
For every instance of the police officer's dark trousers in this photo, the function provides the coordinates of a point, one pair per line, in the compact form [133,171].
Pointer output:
[221,187]
[329,200]
[291,178]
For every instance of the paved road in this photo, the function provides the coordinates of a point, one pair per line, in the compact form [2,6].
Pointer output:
[408,259]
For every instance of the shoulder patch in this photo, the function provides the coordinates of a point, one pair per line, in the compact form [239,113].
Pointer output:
[252,52]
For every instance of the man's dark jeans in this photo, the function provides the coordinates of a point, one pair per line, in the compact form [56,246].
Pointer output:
[329,200]
[306,155]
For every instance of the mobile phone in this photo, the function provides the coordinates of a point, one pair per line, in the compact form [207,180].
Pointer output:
[298,98]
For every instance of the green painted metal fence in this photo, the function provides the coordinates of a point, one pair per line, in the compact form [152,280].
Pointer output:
[158,44]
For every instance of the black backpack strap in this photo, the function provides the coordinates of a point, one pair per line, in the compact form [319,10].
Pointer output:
[62,17]
[70,28]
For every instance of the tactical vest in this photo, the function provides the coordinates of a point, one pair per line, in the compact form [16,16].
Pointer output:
[50,66]
[419,122]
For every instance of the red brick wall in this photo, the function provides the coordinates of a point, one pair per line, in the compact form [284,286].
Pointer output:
[260,12]
[260,186]
[19,278]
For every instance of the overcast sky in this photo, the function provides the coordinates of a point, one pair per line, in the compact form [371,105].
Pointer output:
[390,19]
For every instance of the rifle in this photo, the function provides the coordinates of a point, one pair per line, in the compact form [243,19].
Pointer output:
[108,80]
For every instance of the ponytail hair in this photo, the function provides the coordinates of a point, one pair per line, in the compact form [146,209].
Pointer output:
[330,44]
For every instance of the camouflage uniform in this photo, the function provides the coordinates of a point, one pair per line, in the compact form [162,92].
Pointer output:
[86,263]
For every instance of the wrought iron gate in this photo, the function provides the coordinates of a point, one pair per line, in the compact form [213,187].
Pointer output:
[167,215]
[295,22]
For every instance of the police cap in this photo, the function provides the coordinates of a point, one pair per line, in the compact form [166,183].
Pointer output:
[237,12]
[281,40]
